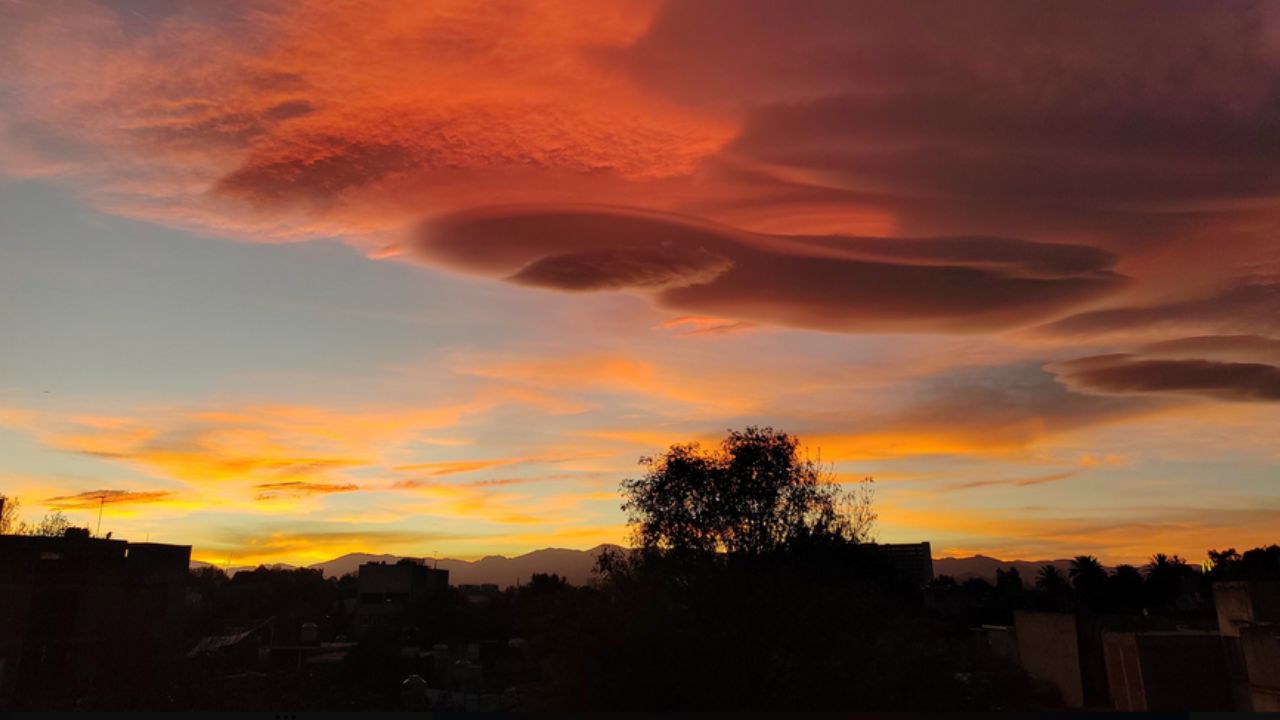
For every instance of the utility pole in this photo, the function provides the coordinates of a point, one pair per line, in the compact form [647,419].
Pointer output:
[102,500]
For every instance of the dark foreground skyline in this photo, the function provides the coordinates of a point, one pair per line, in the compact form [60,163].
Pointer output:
[753,584]
[104,624]
[284,281]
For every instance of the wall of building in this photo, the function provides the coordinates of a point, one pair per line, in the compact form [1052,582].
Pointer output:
[1167,671]
[82,617]
[1261,647]
[1048,649]
[1241,603]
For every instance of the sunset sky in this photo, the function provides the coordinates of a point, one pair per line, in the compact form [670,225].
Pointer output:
[285,280]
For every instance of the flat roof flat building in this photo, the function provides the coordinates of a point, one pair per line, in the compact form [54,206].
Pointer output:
[88,620]
[388,594]
[913,560]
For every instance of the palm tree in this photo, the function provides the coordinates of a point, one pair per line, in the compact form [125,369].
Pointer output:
[1165,574]
[1089,579]
[1050,579]
[1125,586]
[1166,566]
[1086,572]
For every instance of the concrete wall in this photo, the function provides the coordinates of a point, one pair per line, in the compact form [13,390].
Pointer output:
[1167,671]
[1241,603]
[1234,603]
[1048,649]
[1124,672]
[1261,646]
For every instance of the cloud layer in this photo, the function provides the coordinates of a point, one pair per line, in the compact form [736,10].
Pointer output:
[821,282]
[1233,367]
[1066,217]
[1144,128]
[95,498]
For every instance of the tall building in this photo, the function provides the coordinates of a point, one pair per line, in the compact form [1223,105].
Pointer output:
[913,561]
[391,596]
[87,622]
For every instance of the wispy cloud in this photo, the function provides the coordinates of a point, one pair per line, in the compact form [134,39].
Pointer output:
[96,498]
[1010,482]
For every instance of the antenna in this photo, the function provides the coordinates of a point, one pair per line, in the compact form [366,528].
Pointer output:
[102,500]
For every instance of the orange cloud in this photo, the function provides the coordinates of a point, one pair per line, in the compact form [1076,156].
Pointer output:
[577,375]
[310,545]
[270,451]
[268,491]
[248,120]
[273,131]
[694,325]
[96,498]
[1117,534]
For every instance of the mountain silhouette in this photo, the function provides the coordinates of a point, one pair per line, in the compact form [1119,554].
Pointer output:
[984,567]
[576,565]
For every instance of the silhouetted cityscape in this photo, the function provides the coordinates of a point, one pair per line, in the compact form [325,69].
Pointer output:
[773,600]
[576,356]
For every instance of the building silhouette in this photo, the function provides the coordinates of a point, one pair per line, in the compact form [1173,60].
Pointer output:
[913,561]
[1249,623]
[391,596]
[88,622]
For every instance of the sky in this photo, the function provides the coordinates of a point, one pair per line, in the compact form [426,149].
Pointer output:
[286,280]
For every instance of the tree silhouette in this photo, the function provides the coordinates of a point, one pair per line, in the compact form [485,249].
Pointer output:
[1089,579]
[53,524]
[1260,563]
[1224,564]
[751,589]
[9,522]
[1125,587]
[1009,580]
[1086,571]
[1165,577]
[1050,580]
[752,494]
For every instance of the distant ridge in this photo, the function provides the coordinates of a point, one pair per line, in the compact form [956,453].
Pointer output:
[576,566]
[983,567]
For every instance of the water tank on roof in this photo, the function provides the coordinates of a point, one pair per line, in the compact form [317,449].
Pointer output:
[413,693]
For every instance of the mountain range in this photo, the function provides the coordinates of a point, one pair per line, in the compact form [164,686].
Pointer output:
[576,566]
[981,566]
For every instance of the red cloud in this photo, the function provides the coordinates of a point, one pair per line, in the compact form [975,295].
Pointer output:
[1144,128]
[827,283]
